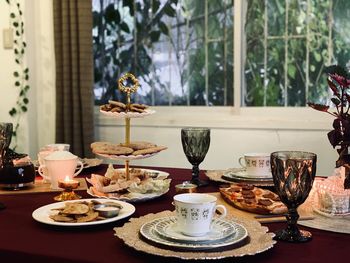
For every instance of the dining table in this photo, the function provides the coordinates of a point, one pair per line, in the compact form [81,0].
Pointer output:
[23,239]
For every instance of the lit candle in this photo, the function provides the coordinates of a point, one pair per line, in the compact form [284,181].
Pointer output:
[68,183]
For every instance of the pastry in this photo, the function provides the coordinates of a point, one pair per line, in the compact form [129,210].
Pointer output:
[253,199]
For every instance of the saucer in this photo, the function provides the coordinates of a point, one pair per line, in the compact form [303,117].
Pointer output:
[148,232]
[220,229]
[245,174]
[242,177]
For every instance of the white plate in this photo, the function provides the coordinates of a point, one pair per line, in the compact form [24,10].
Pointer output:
[43,213]
[128,197]
[148,231]
[220,229]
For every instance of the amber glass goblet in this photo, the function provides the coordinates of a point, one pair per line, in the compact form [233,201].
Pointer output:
[293,174]
[195,143]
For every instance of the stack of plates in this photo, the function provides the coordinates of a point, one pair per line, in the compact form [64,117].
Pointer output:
[241,176]
[164,231]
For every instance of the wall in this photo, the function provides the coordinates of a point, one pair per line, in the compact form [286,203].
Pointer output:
[233,132]
[37,125]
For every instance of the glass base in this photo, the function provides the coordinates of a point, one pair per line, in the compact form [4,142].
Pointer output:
[199,182]
[64,196]
[285,235]
[2,206]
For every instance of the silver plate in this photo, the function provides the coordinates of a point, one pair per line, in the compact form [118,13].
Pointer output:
[220,229]
[148,231]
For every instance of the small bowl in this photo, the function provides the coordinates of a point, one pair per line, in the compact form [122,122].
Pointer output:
[108,210]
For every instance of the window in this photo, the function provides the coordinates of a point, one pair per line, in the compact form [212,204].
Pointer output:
[183,50]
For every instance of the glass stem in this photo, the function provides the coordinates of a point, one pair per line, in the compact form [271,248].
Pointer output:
[195,172]
[292,218]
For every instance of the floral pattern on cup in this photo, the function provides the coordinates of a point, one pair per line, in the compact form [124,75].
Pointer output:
[256,164]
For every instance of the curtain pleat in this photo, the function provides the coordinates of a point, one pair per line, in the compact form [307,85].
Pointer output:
[74,74]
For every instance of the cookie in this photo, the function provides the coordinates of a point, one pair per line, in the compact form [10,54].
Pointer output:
[139,106]
[149,150]
[113,149]
[117,103]
[139,145]
[98,144]
[135,109]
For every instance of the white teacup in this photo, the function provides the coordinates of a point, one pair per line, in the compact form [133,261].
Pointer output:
[195,213]
[56,147]
[59,164]
[257,164]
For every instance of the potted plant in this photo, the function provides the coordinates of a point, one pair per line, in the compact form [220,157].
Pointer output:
[339,84]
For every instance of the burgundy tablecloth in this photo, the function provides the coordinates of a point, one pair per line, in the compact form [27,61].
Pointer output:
[24,240]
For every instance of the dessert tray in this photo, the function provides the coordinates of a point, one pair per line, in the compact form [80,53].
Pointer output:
[127,197]
[126,157]
[42,214]
[130,114]
[156,234]
[143,184]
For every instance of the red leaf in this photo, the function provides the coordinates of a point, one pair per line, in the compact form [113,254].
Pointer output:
[318,107]
[333,87]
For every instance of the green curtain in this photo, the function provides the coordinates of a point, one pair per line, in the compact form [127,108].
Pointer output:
[74,74]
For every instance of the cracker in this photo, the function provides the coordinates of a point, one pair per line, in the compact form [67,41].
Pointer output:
[75,209]
[149,150]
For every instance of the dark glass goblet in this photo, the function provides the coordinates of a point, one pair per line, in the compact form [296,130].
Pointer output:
[293,174]
[195,143]
[5,140]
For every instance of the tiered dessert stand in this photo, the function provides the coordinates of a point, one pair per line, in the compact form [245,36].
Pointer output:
[127,115]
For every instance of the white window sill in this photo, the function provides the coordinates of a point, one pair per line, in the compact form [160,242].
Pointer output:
[280,118]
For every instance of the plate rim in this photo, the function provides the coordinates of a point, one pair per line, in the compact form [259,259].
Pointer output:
[37,212]
[208,241]
[238,174]
[129,200]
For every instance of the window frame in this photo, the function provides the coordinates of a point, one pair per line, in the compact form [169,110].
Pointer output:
[231,117]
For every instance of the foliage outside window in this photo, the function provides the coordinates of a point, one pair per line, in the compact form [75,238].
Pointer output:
[182,50]
[288,45]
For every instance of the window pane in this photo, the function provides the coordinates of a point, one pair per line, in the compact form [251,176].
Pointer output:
[288,44]
[181,51]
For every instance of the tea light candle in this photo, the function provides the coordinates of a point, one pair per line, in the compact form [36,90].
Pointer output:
[185,187]
[68,183]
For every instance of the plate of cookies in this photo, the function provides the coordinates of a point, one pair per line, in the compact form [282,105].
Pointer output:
[118,109]
[122,151]
[142,184]
[84,212]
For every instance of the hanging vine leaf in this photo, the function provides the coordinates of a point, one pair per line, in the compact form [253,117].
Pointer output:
[22,74]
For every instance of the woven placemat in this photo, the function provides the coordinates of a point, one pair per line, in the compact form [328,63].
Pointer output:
[42,187]
[338,224]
